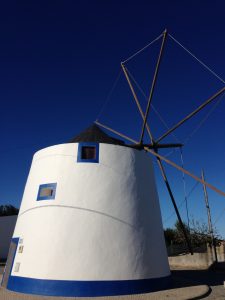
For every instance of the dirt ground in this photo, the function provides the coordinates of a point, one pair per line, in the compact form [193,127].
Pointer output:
[214,278]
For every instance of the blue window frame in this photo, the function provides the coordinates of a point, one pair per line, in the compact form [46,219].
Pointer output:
[88,153]
[46,191]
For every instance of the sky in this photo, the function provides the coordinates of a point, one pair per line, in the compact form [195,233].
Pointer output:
[59,65]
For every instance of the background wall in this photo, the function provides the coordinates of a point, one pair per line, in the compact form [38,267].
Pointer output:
[198,260]
[7,225]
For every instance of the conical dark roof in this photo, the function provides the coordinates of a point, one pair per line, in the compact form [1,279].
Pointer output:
[96,135]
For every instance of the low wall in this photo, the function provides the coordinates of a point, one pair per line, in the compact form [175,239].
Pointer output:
[7,225]
[198,260]
[221,252]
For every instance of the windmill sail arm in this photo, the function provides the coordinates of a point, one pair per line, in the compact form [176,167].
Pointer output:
[116,132]
[212,187]
[153,86]
[136,100]
[208,101]
[164,177]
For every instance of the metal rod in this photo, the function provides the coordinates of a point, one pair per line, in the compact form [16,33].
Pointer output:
[153,85]
[136,99]
[209,217]
[175,205]
[212,187]
[191,114]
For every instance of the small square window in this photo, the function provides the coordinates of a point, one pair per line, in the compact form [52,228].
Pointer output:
[88,152]
[46,191]
[20,249]
[17,267]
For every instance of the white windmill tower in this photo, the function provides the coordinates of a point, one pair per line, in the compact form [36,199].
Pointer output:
[89,223]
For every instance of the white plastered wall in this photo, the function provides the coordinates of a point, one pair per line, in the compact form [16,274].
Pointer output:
[104,223]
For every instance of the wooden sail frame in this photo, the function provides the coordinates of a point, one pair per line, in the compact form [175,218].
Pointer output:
[166,160]
[154,145]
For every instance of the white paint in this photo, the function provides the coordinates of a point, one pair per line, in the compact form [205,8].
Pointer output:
[104,223]
[7,225]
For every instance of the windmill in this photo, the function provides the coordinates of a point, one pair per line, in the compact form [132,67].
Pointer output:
[89,222]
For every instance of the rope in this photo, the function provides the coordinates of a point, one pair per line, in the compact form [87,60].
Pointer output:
[203,120]
[139,51]
[109,95]
[116,132]
[165,124]
[171,152]
[173,213]
[202,63]
[182,202]
[193,188]
[153,108]
[218,218]
[184,186]
[155,111]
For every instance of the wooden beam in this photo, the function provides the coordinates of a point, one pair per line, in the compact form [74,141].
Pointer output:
[210,227]
[136,99]
[166,160]
[186,234]
[153,86]
[212,187]
[116,132]
[208,101]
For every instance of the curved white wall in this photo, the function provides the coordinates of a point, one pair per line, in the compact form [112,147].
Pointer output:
[104,223]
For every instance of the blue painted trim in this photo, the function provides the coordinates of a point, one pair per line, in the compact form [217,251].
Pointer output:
[87,144]
[16,241]
[47,185]
[86,288]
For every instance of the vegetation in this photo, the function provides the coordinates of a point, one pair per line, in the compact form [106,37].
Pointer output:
[8,210]
[198,234]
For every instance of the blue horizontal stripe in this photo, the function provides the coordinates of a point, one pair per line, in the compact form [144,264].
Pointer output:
[86,288]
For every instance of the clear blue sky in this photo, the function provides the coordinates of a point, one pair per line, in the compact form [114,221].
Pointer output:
[59,60]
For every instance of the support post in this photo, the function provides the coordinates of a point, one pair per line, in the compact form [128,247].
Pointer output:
[209,217]
[174,204]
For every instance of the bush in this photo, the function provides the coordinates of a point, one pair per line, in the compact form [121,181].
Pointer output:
[8,210]
[198,234]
